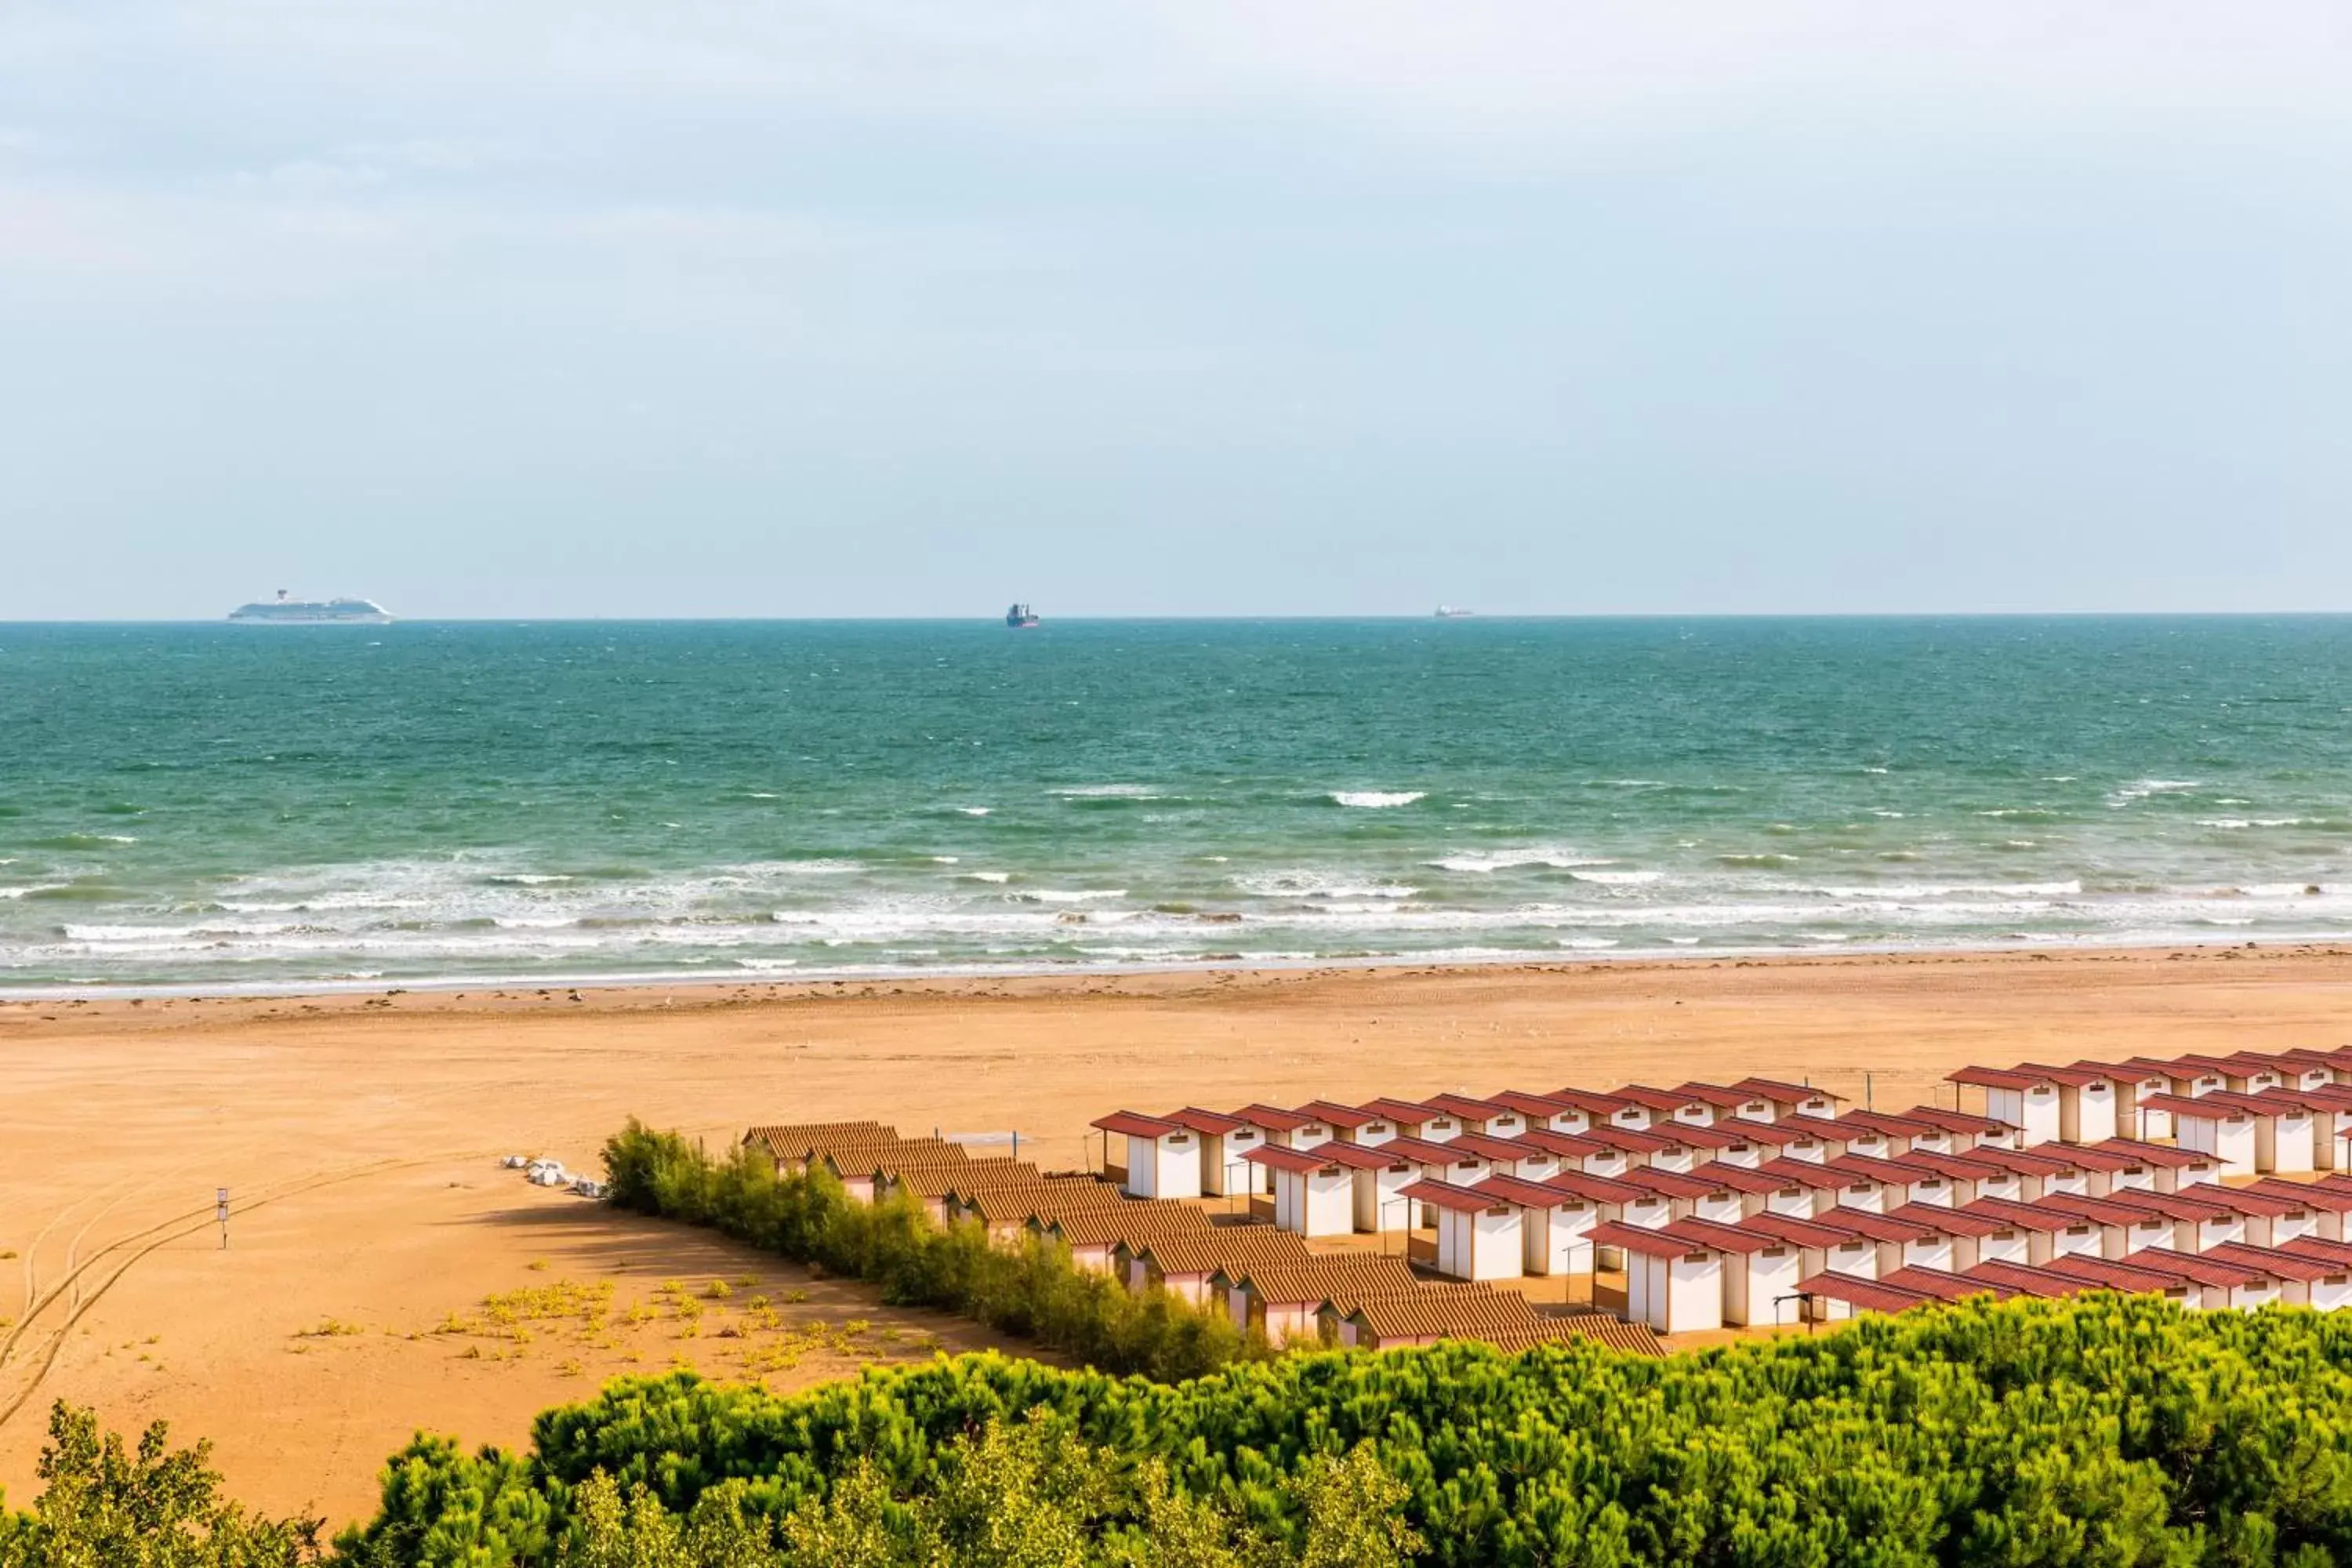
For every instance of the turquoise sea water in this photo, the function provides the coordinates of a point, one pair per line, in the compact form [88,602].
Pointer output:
[212,805]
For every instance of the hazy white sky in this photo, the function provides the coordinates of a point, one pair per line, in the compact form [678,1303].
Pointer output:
[910,307]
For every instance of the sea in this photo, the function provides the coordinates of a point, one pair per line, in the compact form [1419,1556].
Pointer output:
[216,808]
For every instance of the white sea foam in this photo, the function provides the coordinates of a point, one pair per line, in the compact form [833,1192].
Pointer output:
[975,810]
[2235,822]
[31,888]
[947,859]
[527,878]
[1618,878]
[1309,884]
[988,876]
[1373,799]
[1071,896]
[1106,792]
[1505,860]
[2143,788]
[1909,890]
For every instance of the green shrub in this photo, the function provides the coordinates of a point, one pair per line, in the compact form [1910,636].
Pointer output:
[2101,1430]
[102,1506]
[1029,1290]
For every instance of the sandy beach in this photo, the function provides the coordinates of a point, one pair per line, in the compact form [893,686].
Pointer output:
[384,1275]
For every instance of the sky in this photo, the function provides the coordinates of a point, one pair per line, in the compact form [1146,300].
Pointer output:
[649,308]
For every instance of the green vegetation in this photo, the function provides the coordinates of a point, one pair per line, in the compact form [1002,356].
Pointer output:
[2102,1431]
[105,1506]
[1031,1291]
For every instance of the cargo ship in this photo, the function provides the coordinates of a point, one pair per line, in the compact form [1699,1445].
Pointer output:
[1020,617]
[283,611]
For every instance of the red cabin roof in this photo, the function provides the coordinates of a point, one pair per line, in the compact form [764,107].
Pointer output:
[1297,1161]
[1271,1118]
[1446,1195]
[1869,1295]
[1335,1113]
[2000,1078]
[2019,1280]
[1135,1124]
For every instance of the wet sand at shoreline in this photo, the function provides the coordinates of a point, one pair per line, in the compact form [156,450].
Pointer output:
[384,1275]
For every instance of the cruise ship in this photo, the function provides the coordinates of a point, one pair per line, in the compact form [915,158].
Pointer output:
[285,611]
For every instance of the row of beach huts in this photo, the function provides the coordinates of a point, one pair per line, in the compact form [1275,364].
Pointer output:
[1268,1278]
[2219,1181]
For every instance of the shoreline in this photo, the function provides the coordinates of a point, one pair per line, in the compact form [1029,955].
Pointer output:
[2316,946]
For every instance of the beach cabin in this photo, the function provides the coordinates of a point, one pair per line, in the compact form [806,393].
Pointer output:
[2219,1284]
[2138,1079]
[1553,1226]
[2124,1228]
[1690,1195]
[1673,1282]
[1410,1119]
[1094,1237]
[2087,1097]
[1488,1118]
[1949,1242]
[1967,1130]
[1882,1184]
[2291,1275]
[1379,1176]
[1788,1100]
[2156,1167]
[1162,1157]
[2245,1072]
[1586,1202]
[2300,1068]
[1668,1105]
[2217,1124]
[2331,1291]
[1799,1186]
[1511,1156]
[1284,1300]
[2262,1208]
[1427,1314]
[1720,1103]
[2319,1209]
[1223,1173]
[2025,1100]
[1541,1110]
[1753,1190]
[1871,1134]
[1348,1124]
[2288,1131]
[1760,1274]
[1643,1147]
[2194,1076]
[1440,1163]
[1262,1126]
[2331,1126]
[1183,1265]
[1314,1193]
[1749,1142]
[2030,1233]
[2145,1276]
[1479,1233]
[1579,1152]
[1820,1246]
[2198,1224]
[1893,1234]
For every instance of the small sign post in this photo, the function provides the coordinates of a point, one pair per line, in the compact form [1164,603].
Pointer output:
[220,1213]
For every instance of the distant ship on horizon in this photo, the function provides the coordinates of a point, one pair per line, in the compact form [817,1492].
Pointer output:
[1448,613]
[1020,617]
[284,611]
